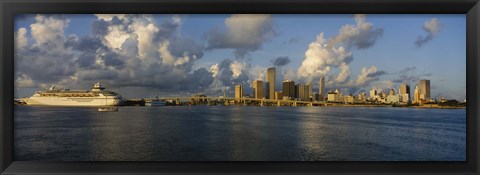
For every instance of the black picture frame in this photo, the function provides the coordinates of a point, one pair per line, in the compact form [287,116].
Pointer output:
[9,8]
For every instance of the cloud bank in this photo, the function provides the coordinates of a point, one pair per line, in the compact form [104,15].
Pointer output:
[121,51]
[332,57]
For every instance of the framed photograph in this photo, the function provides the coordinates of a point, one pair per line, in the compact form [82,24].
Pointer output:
[239,87]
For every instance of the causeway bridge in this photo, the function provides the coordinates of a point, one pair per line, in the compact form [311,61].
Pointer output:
[238,101]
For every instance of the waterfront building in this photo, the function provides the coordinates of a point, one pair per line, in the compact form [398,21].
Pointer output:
[392,92]
[322,87]
[425,89]
[349,99]
[392,99]
[258,89]
[331,96]
[404,89]
[316,96]
[373,93]
[405,98]
[278,95]
[416,95]
[362,97]
[271,83]
[383,94]
[301,92]
[308,92]
[238,91]
[296,92]
[335,96]
[288,89]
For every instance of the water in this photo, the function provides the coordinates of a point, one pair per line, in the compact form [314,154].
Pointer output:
[238,133]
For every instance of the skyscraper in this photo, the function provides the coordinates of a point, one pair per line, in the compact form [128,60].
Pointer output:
[288,89]
[425,89]
[271,82]
[308,92]
[322,87]
[373,92]
[258,89]
[416,95]
[238,91]
[404,89]
[405,92]
[301,91]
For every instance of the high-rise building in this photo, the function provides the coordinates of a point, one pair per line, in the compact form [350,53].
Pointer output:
[301,91]
[308,92]
[425,89]
[271,82]
[238,91]
[322,87]
[405,92]
[296,92]
[404,89]
[373,92]
[258,89]
[288,89]
[416,95]
[266,91]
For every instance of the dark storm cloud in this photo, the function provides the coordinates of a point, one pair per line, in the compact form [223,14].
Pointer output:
[281,61]
[410,75]
[377,74]
[244,33]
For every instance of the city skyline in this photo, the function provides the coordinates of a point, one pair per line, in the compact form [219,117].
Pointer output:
[150,55]
[290,91]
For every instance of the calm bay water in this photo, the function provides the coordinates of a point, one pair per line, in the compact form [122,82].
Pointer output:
[219,133]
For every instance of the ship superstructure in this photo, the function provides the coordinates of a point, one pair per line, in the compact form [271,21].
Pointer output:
[97,96]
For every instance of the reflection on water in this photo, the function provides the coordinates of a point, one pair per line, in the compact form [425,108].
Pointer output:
[243,133]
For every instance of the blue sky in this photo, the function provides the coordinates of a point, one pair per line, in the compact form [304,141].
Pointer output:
[208,54]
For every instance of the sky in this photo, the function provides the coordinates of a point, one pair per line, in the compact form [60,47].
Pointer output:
[182,55]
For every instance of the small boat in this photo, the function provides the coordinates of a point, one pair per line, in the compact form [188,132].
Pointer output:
[108,109]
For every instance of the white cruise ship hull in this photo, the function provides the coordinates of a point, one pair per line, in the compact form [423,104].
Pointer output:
[72,101]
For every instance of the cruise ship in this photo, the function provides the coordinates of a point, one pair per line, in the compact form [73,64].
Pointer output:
[97,96]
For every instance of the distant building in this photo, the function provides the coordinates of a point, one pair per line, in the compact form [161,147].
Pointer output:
[278,95]
[307,92]
[297,95]
[405,92]
[393,99]
[362,97]
[392,92]
[316,96]
[258,89]
[405,98]
[416,95]
[373,93]
[288,89]
[271,82]
[335,96]
[349,99]
[301,92]
[322,87]
[238,91]
[425,89]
